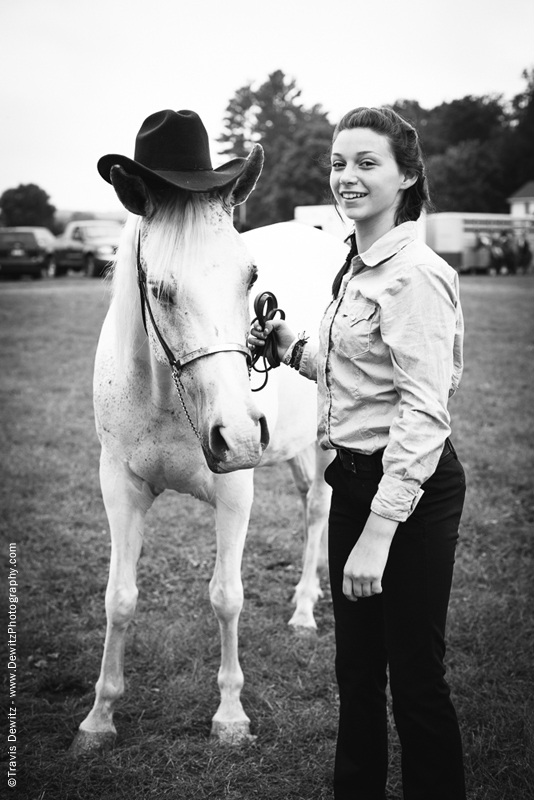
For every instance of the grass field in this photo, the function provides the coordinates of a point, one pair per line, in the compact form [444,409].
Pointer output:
[51,509]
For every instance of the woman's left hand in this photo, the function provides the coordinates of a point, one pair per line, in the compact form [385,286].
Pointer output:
[362,575]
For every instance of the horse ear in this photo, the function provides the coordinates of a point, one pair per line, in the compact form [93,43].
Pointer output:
[131,191]
[247,181]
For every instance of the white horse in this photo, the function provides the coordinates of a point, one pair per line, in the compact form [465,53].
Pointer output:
[197,429]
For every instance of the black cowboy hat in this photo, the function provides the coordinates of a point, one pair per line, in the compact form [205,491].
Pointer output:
[172,148]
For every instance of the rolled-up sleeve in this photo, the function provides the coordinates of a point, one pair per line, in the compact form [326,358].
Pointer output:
[308,362]
[420,315]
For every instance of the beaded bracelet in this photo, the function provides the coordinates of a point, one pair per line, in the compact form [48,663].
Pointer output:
[294,355]
[289,352]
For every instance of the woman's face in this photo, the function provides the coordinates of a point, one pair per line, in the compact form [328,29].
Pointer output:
[365,178]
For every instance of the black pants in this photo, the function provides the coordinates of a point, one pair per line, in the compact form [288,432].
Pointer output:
[404,627]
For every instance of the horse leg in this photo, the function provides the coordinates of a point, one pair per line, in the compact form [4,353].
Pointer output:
[234,493]
[127,498]
[308,470]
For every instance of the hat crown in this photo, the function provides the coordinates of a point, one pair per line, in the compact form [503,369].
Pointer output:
[171,149]
[173,141]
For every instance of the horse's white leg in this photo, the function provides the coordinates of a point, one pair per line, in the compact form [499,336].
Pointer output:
[234,493]
[308,469]
[127,499]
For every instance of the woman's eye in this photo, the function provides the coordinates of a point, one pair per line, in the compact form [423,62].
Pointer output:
[366,163]
[337,165]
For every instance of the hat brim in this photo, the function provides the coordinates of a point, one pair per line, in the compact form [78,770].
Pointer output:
[200,180]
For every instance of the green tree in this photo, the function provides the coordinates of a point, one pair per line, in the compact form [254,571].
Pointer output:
[467,177]
[469,119]
[27,205]
[411,111]
[465,120]
[295,139]
[518,155]
[463,143]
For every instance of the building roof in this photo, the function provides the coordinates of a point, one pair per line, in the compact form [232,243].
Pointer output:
[525,192]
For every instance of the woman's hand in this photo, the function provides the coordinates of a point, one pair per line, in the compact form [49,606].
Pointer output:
[362,574]
[284,337]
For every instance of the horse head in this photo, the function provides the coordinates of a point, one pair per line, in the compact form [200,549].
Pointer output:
[195,275]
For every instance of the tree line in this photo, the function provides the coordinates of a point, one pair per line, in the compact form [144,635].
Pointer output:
[478,150]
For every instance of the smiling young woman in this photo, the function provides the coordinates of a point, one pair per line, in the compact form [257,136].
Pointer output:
[367,182]
[389,358]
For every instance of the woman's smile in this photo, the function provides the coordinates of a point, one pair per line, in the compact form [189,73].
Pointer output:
[347,195]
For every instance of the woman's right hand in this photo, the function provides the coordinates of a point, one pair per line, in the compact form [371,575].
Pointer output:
[283,335]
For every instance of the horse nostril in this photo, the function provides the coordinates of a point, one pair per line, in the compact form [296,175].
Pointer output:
[218,444]
[264,433]
[220,447]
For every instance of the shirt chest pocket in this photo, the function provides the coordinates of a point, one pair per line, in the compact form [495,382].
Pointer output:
[356,324]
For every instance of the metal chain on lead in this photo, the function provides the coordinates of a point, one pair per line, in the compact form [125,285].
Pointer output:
[179,388]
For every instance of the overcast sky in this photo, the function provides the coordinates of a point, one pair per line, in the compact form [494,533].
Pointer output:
[78,77]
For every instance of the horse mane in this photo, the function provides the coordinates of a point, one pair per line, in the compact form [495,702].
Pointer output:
[172,238]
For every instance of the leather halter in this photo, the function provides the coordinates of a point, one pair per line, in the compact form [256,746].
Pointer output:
[177,364]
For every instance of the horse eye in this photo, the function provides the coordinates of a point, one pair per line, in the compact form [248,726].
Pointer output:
[253,277]
[162,294]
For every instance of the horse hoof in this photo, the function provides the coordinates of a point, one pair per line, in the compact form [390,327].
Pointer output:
[303,631]
[303,621]
[88,742]
[233,733]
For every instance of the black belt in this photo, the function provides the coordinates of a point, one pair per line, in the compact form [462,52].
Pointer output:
[371,465]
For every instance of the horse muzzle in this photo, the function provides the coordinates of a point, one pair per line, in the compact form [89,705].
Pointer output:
[225,450]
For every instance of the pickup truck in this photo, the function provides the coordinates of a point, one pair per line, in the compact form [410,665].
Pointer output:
[87,245]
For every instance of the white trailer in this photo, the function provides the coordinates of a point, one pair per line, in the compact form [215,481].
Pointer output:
[468,241]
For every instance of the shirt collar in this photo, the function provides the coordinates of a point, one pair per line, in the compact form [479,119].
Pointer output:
[388,245]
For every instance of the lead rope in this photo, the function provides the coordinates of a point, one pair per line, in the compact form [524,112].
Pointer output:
[265,308]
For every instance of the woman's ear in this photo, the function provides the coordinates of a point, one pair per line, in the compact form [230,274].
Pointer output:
[408,180]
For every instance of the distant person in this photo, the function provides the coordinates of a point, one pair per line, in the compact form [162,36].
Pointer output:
[390,356]
[524,255]
[509,252]
[496,261]
[482,252]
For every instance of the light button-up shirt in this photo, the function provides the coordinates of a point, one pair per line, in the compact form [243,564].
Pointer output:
[389,357]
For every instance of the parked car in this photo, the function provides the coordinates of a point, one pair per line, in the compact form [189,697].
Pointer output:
[26,250]
[87,245]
